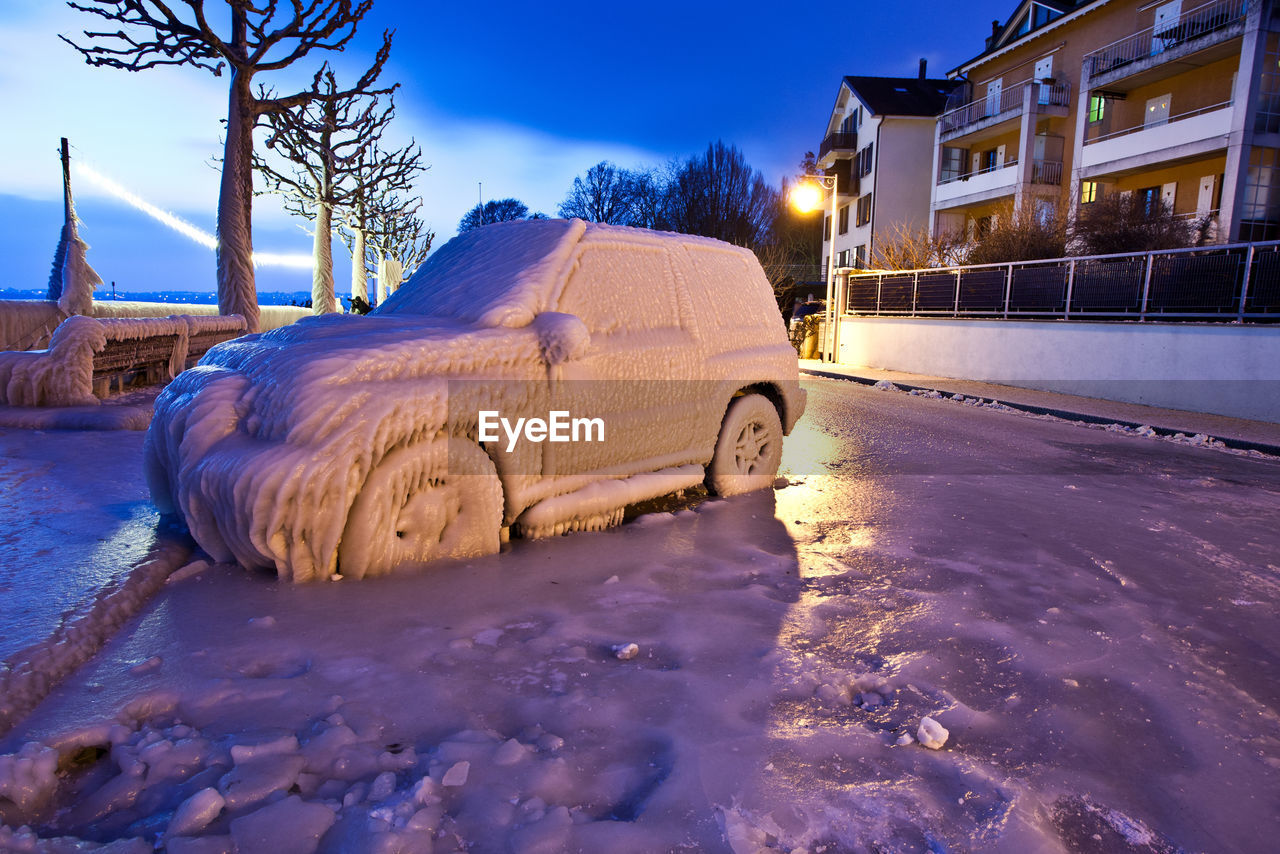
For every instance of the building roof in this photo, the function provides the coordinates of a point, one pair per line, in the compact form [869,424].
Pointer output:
[1027,21]
[901,96]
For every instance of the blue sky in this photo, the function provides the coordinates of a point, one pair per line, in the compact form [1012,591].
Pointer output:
[515,98]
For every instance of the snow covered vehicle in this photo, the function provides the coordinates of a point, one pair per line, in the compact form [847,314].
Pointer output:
[356,445]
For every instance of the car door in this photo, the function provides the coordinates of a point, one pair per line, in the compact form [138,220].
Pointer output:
[637,372]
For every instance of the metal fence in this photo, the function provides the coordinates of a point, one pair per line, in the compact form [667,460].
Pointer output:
[1239,283]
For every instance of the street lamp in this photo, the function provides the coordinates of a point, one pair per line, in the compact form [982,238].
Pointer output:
[806,196]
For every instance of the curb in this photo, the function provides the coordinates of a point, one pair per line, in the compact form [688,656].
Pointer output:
[1065,414]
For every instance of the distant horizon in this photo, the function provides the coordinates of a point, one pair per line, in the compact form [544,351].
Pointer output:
[173,296]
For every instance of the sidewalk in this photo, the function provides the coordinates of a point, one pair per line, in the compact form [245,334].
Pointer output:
[1235,432]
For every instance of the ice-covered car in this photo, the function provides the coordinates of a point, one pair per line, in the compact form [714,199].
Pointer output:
[354,445]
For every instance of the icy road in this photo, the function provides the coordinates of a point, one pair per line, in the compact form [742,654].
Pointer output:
[1091,616]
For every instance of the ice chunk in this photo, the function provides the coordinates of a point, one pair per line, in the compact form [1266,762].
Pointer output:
[511,752]
[241,753]
[289,826]
[27,777]
[196,813]
[932,734]
[253,781]
[457,774]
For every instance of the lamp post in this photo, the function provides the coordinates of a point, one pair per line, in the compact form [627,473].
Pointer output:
[806,197]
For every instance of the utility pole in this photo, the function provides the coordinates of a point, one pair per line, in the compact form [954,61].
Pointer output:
[66,180]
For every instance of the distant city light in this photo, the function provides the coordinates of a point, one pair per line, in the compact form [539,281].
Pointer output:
[204,238]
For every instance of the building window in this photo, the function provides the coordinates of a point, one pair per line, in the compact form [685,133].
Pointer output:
[1260,205]
[860,256]
[1267,118]
[826,227]
[864,160]
[1097,108]
[842,258]
[864,209]
[1088,192]
[1149,197]
[990,160]
[844,219]
[952,163]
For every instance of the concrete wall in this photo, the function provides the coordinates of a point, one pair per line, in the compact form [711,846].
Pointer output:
[1220,368]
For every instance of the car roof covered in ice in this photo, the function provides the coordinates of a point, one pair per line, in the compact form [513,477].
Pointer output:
[497,275]
[506,273]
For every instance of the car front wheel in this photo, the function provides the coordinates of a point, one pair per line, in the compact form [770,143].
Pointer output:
[749,448]
[427,501]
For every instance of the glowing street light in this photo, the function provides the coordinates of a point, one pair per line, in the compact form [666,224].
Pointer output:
[806,197]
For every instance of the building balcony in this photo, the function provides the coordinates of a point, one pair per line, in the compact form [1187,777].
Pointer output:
[983,184]
[838,143]
[1051,98]
[1187,135]
[994,182]
[1211,25]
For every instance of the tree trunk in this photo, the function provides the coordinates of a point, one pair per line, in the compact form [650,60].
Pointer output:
[322,300]
[359,275]
[237,291]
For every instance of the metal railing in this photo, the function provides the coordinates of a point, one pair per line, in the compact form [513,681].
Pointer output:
[1191,25]
[1042,172]
[1046,172]
[838,142]
[1170,120]
[1009,102]
[1238,283]
[948,178]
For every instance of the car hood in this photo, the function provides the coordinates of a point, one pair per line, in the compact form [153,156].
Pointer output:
[304,381]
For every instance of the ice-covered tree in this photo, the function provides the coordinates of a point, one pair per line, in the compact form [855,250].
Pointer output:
[395,233]
[374,207]
[330,144]
[256,36]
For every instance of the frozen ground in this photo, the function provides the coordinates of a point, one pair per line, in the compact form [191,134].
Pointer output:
[1092,616]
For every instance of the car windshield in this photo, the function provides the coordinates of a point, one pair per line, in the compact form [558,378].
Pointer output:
[497,275]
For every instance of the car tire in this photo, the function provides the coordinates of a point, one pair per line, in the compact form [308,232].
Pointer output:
[749,448]
[427,501]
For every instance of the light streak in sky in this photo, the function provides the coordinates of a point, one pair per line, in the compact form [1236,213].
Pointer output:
[204,238]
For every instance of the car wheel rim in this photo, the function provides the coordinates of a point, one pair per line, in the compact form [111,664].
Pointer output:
[751,448]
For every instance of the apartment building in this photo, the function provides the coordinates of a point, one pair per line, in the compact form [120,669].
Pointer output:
[880,132]
[1070,101]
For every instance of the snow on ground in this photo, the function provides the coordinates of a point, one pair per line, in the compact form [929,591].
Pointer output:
[1090,617]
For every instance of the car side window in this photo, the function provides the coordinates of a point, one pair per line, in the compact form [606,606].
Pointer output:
[725,293]
[620,288]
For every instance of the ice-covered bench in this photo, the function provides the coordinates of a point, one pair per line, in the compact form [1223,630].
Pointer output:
[86,354]
[158,348]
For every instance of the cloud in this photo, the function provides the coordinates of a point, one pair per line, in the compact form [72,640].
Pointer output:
[156,131]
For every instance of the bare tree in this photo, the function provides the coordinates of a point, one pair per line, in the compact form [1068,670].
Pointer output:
[913,248]
[261,37]
[501,210]
[331,144]
[605,193]
[1036,229]
[1127,222]
[717,194]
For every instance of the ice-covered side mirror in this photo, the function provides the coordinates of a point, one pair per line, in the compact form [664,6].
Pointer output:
[563,337]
